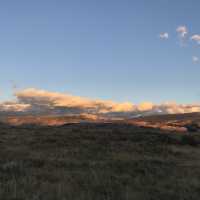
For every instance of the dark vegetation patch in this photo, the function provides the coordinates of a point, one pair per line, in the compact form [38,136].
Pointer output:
[98,161]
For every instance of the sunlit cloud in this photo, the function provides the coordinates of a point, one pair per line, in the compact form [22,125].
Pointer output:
[14,106]
[36,101]
[53,100]
[164,36]
[182,31]
[145,106]
[173,108]
[196,38]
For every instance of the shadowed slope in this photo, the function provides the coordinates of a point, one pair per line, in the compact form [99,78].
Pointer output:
[98,161]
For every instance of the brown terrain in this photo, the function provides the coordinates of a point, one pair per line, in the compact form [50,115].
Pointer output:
[171,122]
[87,158]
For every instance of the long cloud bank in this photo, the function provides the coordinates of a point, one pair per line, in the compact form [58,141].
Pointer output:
[34,101]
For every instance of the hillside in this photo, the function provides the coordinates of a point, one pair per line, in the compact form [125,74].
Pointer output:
[98,161]
[171,122]
[171,117]
[50,120]
[174,122]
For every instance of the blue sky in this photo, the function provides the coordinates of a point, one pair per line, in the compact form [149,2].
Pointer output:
[108,49]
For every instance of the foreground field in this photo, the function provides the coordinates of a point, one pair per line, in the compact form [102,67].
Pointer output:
[98,162]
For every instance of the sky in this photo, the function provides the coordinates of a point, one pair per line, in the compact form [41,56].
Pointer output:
[130,50]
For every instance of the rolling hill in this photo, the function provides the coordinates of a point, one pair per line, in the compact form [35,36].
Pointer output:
[169,122]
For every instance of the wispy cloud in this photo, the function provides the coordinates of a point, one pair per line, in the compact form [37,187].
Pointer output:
[164,35]
[196,38]
[195,59]
[182,31]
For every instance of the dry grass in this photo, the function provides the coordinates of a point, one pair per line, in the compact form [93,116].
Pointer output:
[97,162]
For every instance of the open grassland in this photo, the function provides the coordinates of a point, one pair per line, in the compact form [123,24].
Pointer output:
[98,162]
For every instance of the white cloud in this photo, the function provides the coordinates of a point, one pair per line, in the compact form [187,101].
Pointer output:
[14,106]
[34,101]
[164,36]
[145,106]
[53,100]
[195,59]
[173,108]
[196,38]
[182,31]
